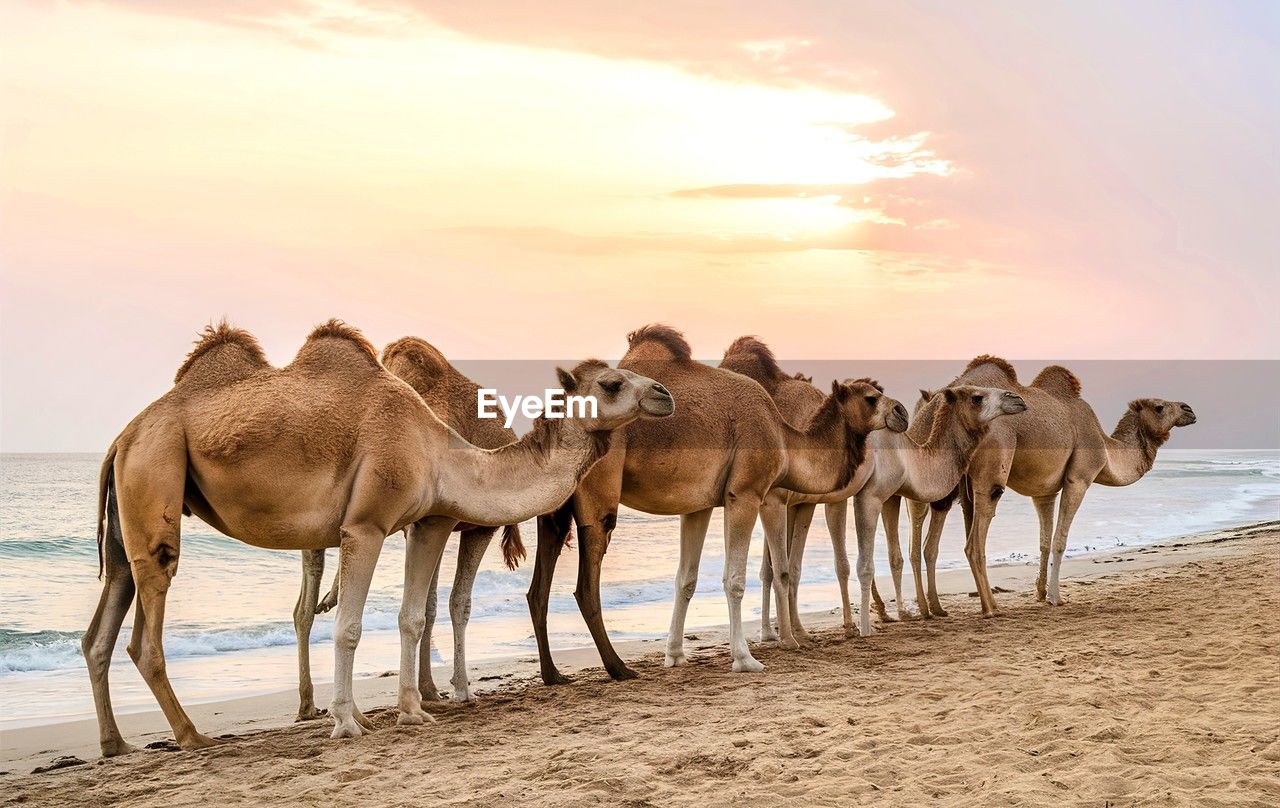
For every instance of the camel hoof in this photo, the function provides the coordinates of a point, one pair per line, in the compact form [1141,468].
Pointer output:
[430,694]
[463,695]
[885,618]
[414,718]
[346,729]
[675,660]
[363,721]
[310,714]
[850,632]
[197,741]
[748,665]
[622,674]
[768,636]
[1058,601]
[554,677]
[790,644]
[118,748]
[938,611]
[991,614]
[868,631]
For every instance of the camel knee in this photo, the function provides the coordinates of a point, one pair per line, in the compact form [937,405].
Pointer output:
[685,589]
[348,637]
[411,624]
[459,607]
[735,586]
[783,580]
[842,569]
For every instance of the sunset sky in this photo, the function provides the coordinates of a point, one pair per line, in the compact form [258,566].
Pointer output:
[532,180]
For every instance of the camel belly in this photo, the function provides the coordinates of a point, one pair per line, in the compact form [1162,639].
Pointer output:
[672,483]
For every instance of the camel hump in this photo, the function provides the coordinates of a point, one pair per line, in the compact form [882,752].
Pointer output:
[663,335]
[753,359]
[416,361]
[1058,381]
[986,367]
[334,343]
[222,354]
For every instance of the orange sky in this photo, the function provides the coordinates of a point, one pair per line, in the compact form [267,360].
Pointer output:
[913,181]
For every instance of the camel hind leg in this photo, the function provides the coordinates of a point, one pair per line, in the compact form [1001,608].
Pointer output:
[799,518]
[304,616]
[100,637]
[151,481]
[890,517]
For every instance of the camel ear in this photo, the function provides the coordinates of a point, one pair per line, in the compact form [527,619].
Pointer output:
[949,395]
[925,395]
[838,390]
[1135,405]
[566,380]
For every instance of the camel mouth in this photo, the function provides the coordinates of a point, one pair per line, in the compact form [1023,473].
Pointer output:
[897,420]
[1187,418]
[1013,404]
[658,406]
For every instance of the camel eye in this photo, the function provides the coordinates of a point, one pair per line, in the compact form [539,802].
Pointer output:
[612,385]
[977,399]
[1159,408]
[872,400]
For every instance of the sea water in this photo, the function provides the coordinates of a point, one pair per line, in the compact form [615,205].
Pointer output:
[228,627]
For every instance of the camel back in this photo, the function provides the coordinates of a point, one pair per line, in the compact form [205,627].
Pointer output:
[445,389]
[753,359]
[989,371]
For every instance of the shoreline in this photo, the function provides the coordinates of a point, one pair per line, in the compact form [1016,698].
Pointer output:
[24,748]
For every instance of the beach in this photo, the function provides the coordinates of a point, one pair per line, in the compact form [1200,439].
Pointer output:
[1157,683]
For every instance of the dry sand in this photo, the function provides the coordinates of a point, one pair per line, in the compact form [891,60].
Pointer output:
[1158,683]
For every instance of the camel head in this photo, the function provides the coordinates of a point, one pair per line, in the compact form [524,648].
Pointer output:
[621,396]
[978,406]
[866,408]
[1157,417]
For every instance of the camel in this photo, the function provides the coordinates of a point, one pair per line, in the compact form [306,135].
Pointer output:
[452,396]
[926,461]
[331,451]
[1057,447]
[727,446]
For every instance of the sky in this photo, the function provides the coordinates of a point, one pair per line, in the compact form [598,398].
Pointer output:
[917,180]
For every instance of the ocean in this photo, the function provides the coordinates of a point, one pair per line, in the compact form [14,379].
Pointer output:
[229,632]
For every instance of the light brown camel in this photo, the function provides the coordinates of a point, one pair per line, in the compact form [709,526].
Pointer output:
[1056,447]
[332,450]
[926,461]
[727,445]
[452,397]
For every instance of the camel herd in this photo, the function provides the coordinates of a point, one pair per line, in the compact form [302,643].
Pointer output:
[342,448]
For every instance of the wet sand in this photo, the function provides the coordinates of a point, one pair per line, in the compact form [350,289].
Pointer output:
[1157,683]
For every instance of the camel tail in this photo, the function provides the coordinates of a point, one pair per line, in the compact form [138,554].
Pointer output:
[513,551]
[106,481]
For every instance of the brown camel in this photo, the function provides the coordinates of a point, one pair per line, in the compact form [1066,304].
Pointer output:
[926,461]
[1056,447]
[452,397]
[332,450]
[726,446]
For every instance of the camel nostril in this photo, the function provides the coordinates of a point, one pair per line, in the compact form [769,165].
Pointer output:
[657,388]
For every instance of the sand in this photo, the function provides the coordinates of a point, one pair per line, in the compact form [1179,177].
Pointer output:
[1157,683]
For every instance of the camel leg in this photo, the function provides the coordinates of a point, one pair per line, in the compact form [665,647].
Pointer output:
[882,611]
[304,616]
[975,548]
[917,511]
[593,543]
[937,520]
[837,513]
[426,682]
[866,511]
[99,639]
[553,528]
[767,631]
[1044,509]
[890,515]
[423,547]
[798,520]
[358,553]
[1072,496]
[773,515]
[470,553]
[740,513]
[693,532]
[330,599]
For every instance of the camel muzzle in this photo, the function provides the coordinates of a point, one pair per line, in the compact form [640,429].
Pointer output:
[897,420]
[1013,404]
[659,403]
[1187,418]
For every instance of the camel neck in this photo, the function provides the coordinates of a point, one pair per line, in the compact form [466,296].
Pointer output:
[532,476]
[823,456]
[1131,452]
[937,467]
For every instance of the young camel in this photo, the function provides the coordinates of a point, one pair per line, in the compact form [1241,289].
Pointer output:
[452,397]
[332,450]
[1057,447]
[926,461]
[726,446]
